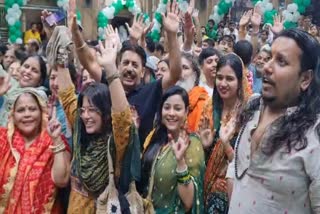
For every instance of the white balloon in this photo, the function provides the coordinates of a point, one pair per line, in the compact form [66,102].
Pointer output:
[65,7]
[269,6]
[184,6]
[19,41]
[11,21]
[265,1]
[60,3]
[292,7]
[228,1]
[15,6]
[10,11]
[289,17]
[296,16]
[284,13]
[161,8]
[109,12]
[215,9]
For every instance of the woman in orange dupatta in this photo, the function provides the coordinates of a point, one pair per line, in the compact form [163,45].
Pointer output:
[231,91]
[33,161]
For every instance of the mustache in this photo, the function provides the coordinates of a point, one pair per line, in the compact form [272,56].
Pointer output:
[270,81]
[129,73]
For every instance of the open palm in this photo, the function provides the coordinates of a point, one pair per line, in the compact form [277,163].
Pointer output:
[4,84]
[171,20]
[277,24]
[137,28]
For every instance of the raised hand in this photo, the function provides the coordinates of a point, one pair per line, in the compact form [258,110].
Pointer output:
[72,17]
[206,134]
[54,127]
[256,17]
[244,21]
[137,28]
[181,145]
[108,53]
[277,24]
[226,132]
[47,29]
[171,20]
[188,26]
[4,84]
[113,35]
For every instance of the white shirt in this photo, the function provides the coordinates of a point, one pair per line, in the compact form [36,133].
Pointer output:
[283,183]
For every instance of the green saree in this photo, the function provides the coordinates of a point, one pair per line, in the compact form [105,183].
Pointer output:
[165,195]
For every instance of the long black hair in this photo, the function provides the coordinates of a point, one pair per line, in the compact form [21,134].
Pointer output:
[42,65]
[99,96]
[293,127]
[160,136]
[235,63]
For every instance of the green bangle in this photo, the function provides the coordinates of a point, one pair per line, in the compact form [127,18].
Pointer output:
[112,77]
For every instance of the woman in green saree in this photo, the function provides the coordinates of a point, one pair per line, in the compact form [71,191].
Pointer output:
[173,160]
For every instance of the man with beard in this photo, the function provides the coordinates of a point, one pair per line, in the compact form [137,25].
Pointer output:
[145,99]
[256,67]
[276,166]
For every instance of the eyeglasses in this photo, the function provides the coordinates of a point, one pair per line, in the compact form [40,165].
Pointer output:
[90,111]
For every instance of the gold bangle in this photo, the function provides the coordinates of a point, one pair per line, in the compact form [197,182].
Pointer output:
[82,46]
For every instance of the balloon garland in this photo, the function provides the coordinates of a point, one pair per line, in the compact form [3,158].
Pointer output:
[63,4]
[111,11]
[157,22]
[267,9]
[293,12]
[12,7]
[220,10]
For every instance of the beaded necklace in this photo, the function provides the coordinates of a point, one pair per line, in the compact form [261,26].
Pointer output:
[236,155]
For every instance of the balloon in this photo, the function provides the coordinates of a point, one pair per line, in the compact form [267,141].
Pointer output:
[288,25]
[158,17]
[215,9]
[220,11]
[19,41]
[161,8]
[13,38]
[302,9]
[298,2]
[292,7]
[289,17]
[20,2]
[228,1]
[269,6]
[306,3]
[296,17]
[15,6]
[11,21]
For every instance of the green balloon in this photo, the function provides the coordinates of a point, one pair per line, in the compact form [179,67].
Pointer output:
[130,4]
[298,2]
[18,24]
[9,3]
[220,11]
[165,1]
[306,3]
[13,38]
[288,25]
[302,9]
[19,2]
[158,17]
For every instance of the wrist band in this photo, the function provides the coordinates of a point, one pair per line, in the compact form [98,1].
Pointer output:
[112,77]
[82,46]
[58,148]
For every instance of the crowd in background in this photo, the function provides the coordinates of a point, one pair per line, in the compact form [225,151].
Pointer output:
[222,118]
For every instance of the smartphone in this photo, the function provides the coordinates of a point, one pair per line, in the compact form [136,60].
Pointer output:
[55,18]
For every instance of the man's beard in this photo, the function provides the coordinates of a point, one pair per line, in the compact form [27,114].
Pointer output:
[187,84]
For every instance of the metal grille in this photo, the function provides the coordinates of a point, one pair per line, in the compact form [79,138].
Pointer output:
[3,24]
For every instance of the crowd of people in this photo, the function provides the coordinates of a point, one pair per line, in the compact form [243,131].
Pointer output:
[219,119]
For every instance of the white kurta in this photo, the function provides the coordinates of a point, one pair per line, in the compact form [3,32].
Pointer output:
[283,183]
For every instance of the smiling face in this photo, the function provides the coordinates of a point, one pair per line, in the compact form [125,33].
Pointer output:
[282,77]
[261,59]
[91,117]
[14,70]
[227,83]
[174,113]
[30,73]
[209,67]
[86,78]
[27,116]
[163,69]
[131,70]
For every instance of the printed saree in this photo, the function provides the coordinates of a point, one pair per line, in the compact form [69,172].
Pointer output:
[165,195]
[216,197]
[26,185]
